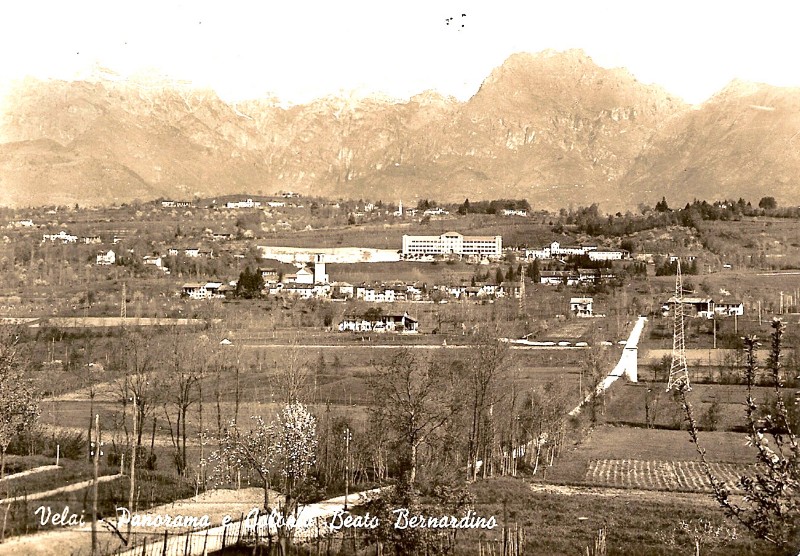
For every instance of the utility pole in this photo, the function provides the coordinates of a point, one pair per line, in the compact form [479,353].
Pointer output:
[133,464]
[346,465]
[714,320]
[123,306]
[96,455]
[522,289]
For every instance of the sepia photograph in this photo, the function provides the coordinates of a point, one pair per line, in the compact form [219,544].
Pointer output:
[370,278]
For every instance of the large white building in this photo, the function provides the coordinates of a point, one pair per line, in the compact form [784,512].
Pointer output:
[453,243]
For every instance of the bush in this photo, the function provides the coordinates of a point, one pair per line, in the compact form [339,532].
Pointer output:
[72,445]
[710,419]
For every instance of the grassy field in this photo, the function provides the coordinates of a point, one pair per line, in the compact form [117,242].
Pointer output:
[626,405]
[17,464]
[71,472]
[638,444]
[153,489]
[565,524]
[342,382]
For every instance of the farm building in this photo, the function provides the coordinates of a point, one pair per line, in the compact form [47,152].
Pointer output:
[694,306]
[379,323]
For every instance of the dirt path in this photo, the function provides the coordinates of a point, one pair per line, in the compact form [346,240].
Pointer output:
[27,472]
[611,492]
[78,540]
[68,488]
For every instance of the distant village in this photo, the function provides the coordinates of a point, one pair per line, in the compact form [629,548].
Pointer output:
[561,267]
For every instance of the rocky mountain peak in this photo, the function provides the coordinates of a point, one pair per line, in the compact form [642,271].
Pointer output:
[553,127]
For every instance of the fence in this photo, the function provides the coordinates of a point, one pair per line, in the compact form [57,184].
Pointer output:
[311,524]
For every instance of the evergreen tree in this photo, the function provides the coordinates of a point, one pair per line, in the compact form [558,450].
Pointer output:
[534,273]
[498,276]
[250,284]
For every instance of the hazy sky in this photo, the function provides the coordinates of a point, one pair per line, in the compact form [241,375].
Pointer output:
[301,50]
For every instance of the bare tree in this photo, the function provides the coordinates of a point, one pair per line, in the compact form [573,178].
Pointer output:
[486,369]
[19,402]
[594,369]
[182,373]
[140,380]
[410,398]
[291,380]
[770,508]
[543,419]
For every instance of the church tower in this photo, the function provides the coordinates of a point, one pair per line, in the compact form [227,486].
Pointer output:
[319,269]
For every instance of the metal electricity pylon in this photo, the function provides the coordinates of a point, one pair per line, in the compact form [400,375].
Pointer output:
[678,373]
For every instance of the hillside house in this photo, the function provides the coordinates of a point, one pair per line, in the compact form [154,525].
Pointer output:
[269,275]
[275,289]
[299,290]
[61,236]
[588,275]
[213,290]
[581,306]
[154,260]
[508,289]
[414,293]
[556,277]
[194,290]
[553,277]
[249,203]
[304,276]
[204,290]
[615,255]
[729,308]
[176,204]
[693,306]
[107,258]
[342,290]
[543,253]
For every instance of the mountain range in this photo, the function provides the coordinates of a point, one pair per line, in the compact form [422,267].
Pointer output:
[551,127]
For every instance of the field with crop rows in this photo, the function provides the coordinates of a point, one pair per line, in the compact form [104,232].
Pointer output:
[686,476]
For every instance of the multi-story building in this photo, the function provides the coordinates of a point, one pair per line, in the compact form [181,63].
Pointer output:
[453,243]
